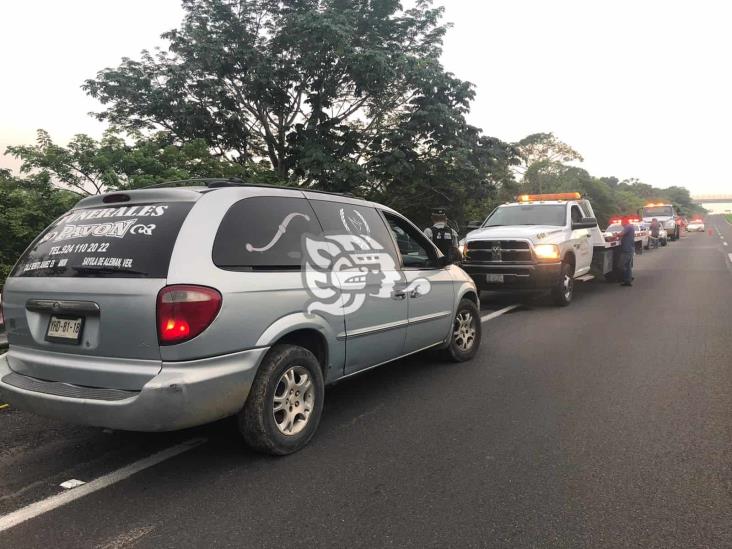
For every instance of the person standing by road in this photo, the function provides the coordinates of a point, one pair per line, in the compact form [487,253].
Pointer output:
[627,251]
[444,237]
[655,232]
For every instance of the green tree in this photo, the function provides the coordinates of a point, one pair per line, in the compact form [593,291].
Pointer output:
[89,166]
[544,149]
[26,208]
[340,95]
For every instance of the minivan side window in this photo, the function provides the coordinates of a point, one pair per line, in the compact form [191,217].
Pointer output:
[344,218]
[415,248]
[264,233]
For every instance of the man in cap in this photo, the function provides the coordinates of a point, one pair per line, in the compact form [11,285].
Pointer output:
[440,233]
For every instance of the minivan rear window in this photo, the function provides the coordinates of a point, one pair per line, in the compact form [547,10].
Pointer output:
[118,241]
[264,233]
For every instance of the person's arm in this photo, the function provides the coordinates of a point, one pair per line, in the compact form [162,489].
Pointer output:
[428,232]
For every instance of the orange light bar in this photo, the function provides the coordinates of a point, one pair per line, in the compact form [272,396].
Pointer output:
[619,220]
[657,204]
[550,196]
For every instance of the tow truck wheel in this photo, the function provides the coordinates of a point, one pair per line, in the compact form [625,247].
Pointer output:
[564,290]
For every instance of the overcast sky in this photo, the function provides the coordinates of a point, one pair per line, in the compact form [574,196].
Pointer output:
[640,89]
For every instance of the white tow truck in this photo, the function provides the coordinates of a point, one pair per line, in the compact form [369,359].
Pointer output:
[540,242]
[665,215]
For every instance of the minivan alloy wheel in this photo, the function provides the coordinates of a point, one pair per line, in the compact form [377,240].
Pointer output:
[293,400]
[464,330]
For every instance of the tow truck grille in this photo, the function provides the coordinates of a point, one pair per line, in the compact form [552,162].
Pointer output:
[498,251]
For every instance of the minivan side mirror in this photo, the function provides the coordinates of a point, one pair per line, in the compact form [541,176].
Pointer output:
[453,256]
[585,223]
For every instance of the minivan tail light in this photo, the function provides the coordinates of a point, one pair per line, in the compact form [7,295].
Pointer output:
[184,311]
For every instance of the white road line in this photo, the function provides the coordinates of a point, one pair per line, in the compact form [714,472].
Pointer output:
[499,312]
[54,502]
[730,257]
[724,243]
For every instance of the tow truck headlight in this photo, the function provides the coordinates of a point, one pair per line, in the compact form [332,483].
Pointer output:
[546,251]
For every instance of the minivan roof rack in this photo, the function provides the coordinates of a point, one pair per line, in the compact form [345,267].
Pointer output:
[220,182]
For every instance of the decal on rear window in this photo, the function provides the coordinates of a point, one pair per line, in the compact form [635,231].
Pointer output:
[129,241]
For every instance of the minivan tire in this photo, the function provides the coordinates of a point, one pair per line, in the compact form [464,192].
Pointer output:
[257,420]
[456,351]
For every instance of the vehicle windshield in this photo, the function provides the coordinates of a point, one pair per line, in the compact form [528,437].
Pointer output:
[616,228]
[658,211]
[528,214]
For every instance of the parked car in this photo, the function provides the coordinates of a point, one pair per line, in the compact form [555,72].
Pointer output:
[642,233]
[696,225]
[165,308]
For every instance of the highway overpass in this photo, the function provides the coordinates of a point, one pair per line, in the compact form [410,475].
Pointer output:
[715,203]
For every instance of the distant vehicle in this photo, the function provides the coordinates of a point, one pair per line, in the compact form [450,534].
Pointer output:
[642,232]
[165,308]
[665,215]
[696,225]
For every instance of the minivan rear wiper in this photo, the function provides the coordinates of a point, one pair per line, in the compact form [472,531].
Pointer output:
[106,270]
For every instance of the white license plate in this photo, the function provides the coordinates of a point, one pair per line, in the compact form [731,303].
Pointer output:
[65,329]
[494,278]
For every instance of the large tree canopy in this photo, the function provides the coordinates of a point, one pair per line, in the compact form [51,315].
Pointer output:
[344,95]
[89,166]
[26,208]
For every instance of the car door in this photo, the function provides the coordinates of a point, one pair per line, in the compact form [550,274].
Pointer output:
[581,241]
[372,284]
[429,288]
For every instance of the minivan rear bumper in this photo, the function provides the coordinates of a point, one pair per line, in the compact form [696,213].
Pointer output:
[182,395]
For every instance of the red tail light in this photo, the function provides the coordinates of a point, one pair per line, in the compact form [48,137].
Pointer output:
[184,311]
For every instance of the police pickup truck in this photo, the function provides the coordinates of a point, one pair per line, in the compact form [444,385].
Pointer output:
[540,242]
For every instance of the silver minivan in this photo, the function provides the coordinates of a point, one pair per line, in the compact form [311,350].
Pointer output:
[173,306]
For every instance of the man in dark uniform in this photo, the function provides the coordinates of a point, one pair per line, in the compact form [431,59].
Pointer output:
[627,250]
[440,233]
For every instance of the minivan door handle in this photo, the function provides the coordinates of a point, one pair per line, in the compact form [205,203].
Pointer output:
[398,294]
[61,306]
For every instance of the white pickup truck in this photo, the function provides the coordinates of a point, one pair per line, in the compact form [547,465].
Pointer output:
[666,216]
[539,242]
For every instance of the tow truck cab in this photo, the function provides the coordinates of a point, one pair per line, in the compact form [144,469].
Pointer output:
[539,242]
[665,215]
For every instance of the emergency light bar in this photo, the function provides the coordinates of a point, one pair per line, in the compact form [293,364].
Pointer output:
[550,196]
[651,205]
[619,220]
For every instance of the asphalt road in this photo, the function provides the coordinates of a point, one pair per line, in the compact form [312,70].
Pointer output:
[607,423]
